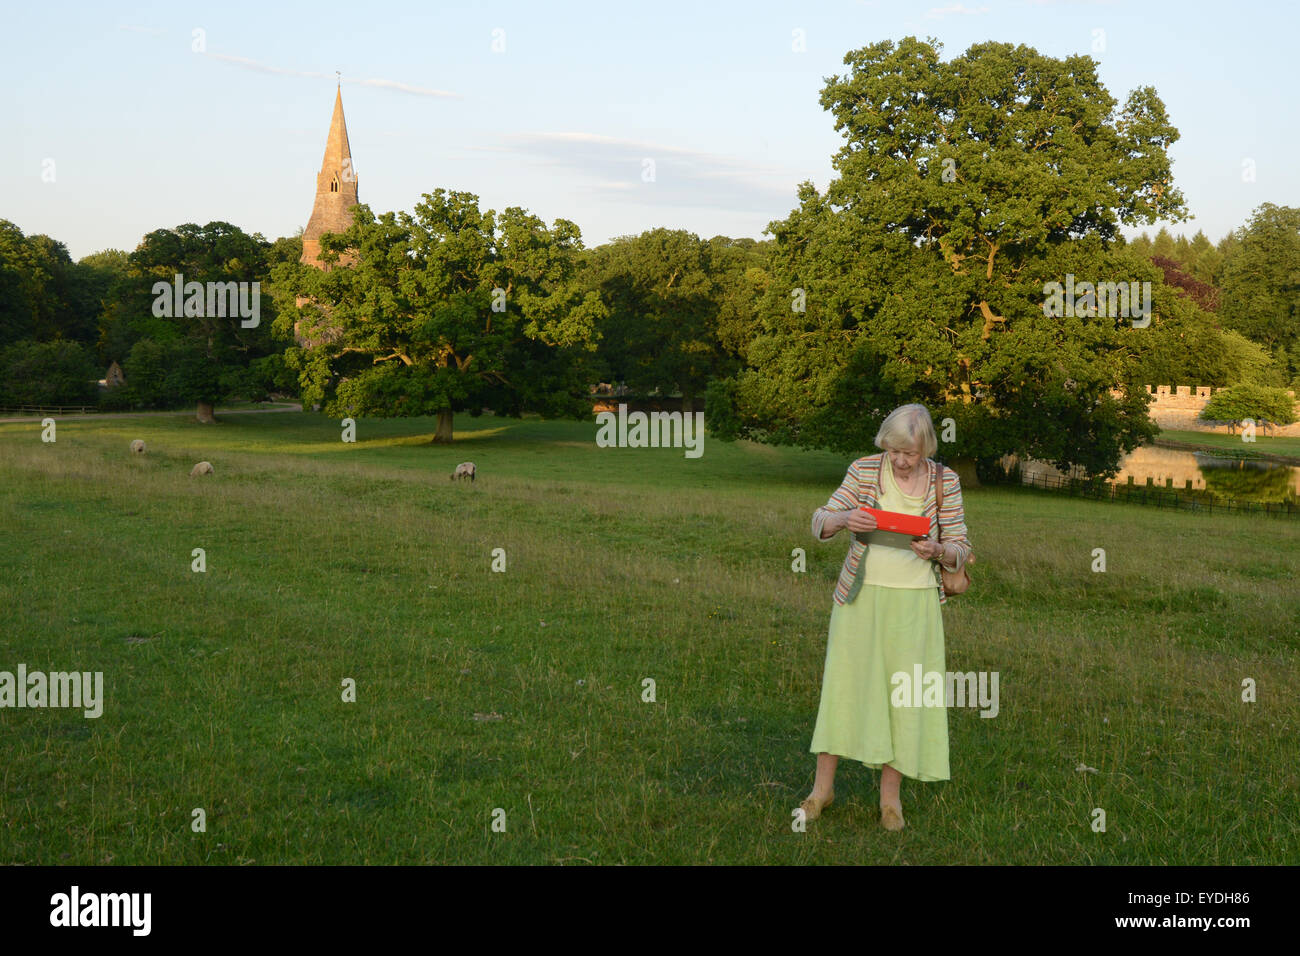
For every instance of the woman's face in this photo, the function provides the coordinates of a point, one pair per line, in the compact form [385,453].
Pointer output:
[904,461]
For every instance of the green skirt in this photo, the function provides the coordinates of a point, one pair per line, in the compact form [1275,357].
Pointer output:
[882,633]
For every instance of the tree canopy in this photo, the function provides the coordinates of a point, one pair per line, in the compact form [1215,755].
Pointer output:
[964,188]
[201,346]
[1261,284]
[675,301]
[44,295]
[449,309]
[1255,402]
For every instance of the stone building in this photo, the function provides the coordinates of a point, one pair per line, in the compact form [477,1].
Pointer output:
[1179,407]
[336,189]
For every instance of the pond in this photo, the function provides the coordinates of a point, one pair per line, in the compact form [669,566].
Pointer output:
[1198,473]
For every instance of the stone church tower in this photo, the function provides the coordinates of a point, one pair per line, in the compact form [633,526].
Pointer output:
[336,190]
[336,195]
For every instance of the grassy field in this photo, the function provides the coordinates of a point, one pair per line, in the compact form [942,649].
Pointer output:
[1279,445]
[522,690]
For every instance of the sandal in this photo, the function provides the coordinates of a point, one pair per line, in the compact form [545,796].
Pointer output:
[812,808]
[891,817]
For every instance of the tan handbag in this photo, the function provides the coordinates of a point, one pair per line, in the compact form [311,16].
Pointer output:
[954,582]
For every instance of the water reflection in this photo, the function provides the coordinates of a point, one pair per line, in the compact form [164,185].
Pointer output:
[1200,473]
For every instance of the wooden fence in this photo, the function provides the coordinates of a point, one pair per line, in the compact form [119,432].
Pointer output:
[16,410]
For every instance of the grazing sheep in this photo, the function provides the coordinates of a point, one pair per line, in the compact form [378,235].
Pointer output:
[137,447]
[202,468]
[464,470]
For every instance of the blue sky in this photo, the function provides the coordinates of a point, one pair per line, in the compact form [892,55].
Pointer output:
[145,132]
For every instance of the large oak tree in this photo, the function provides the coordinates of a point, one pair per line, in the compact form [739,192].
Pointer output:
[449,309]
[963,187]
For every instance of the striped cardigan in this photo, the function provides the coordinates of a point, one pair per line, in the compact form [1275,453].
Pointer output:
[861,483]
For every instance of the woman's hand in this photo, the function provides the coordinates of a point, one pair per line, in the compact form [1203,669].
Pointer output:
[859,520]
[926,548]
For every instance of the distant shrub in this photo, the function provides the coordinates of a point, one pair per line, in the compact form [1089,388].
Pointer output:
[48,373]
[1247,400]
[120,399]
[169,374]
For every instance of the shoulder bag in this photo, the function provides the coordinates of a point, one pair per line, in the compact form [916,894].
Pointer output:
[954,582]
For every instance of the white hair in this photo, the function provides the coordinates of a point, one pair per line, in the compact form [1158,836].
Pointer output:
[905,426]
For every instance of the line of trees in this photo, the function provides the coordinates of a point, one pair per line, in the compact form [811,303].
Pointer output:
[1247,287]
[962,189]
[62,323]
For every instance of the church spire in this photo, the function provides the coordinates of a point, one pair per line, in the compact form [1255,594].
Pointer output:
[336,187]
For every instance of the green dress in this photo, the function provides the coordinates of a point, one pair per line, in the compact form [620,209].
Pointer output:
[883,632]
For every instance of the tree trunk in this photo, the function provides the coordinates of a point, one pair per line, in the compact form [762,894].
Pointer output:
[443,434]
[204,414]
[965,468]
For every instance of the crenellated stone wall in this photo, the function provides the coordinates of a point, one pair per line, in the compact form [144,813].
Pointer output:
[1179,407]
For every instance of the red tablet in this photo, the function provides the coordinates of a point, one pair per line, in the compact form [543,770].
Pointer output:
[917,525]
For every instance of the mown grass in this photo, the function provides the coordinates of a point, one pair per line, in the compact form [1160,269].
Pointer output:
[522,690]
[1272,445]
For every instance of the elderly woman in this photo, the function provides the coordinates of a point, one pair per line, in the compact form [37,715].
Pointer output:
[886,619]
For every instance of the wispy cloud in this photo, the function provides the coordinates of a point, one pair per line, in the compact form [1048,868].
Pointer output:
[688,178]
[247,64]
[937,13]
[407,88]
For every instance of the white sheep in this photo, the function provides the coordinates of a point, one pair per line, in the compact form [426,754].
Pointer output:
[465,469]
[202,468]
[137,447]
